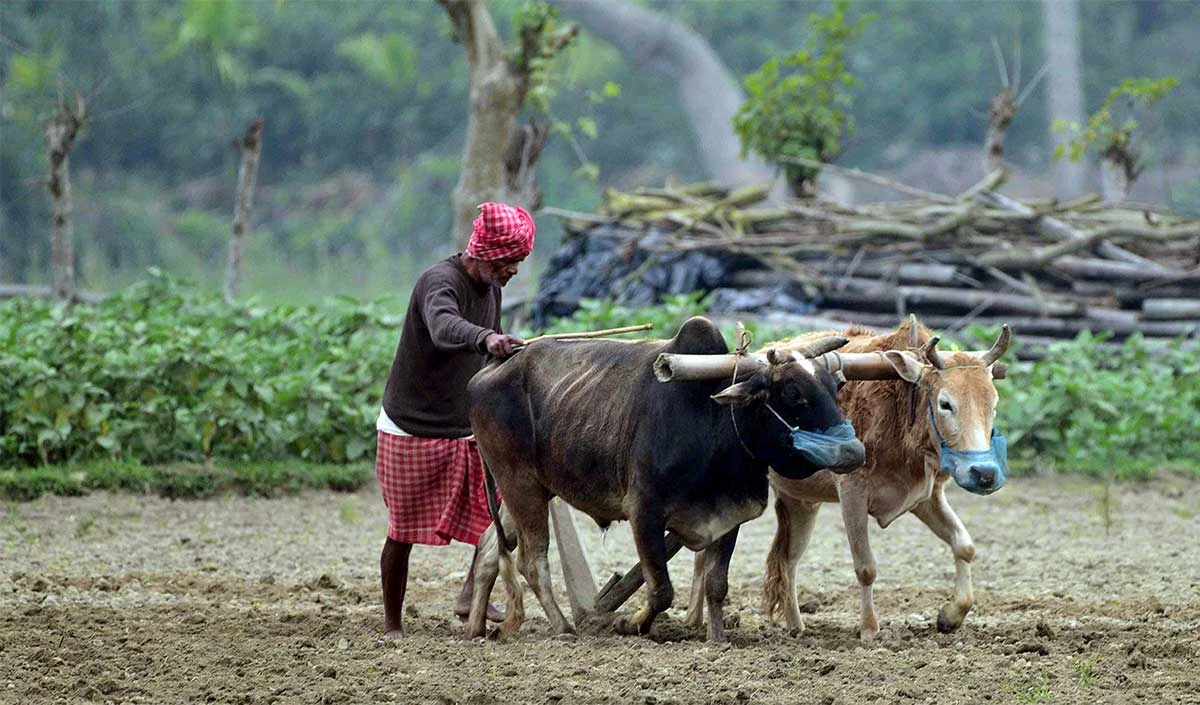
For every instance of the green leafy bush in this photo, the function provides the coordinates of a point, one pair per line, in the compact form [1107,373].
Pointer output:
[183,480]
[1121,415]
[803,112]
[162,373]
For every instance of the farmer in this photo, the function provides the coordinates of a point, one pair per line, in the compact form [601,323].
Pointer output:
[427,462]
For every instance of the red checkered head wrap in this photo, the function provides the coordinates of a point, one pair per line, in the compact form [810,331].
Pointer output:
[501,232]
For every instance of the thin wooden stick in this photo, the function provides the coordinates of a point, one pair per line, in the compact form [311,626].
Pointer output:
[870,178]
[591,334]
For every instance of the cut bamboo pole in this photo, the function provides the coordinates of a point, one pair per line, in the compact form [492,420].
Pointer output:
[1171,309]
[1059,230]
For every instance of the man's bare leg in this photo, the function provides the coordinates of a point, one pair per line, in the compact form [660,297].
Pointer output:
[462,606]
[393,570]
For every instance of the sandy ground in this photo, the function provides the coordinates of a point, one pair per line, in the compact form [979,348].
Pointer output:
[134,599]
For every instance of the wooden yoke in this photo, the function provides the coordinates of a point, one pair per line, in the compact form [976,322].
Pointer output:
[672,367]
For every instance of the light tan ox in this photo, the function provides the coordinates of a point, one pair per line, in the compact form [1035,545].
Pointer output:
[902,472]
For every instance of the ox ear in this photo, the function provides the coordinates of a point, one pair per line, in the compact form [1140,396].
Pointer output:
[907,366]
[741,393]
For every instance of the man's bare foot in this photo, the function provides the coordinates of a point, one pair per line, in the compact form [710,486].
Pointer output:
[494,613]
[394,634]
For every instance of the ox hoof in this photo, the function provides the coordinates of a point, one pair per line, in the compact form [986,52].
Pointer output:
[633,627]
[946,624]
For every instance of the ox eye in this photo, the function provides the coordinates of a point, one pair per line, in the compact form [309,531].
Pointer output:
[945,405]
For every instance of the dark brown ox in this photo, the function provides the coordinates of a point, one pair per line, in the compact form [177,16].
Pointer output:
[902,471]
[588,422]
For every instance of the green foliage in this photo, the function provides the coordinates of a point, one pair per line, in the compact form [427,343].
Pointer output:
[543,44]
[1034,691]
[1122,415]
[803,113]
[220,29]
[183,480]
[1086,670]
[1102,130]
[161,373]
[541,41]
[33,483]
[389,59]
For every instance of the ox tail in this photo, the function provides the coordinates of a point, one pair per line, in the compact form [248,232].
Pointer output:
[775,583]
[514,609]
[493,502]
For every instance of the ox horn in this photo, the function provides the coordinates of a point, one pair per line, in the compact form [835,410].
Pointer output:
[998,348]
[820,346]
[930,353]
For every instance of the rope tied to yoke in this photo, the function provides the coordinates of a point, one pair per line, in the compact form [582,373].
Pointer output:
[743,346]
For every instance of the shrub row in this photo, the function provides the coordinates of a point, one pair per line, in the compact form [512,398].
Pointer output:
[162,373]
[182,480]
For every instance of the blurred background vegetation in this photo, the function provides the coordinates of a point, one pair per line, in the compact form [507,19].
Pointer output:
[365,107]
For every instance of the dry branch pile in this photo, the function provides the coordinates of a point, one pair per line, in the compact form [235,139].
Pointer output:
[1049,269]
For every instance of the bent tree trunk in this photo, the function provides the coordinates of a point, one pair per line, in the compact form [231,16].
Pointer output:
[498,157]
[250,147]
[60,132]
[706,89]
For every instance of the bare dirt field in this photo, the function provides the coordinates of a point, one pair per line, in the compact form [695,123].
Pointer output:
[135,599]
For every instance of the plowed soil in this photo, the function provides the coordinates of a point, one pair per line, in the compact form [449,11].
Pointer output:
[136,599]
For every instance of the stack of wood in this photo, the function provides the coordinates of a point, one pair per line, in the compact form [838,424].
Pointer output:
[1050,269]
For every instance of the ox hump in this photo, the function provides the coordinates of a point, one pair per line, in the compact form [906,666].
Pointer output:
[697,336]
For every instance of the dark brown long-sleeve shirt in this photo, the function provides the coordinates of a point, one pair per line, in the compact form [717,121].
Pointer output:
[441,348]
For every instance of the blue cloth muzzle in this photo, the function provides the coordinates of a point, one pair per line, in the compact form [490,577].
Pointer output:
[976,471]
[835,447]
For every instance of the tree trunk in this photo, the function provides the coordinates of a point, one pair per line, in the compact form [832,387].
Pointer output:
[499,156]
[59,133]
[250,147]
[709,93]
[1000,115]
[1114,181]
[1060,19]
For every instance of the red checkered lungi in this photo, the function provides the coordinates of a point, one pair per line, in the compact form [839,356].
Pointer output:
[433,489]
